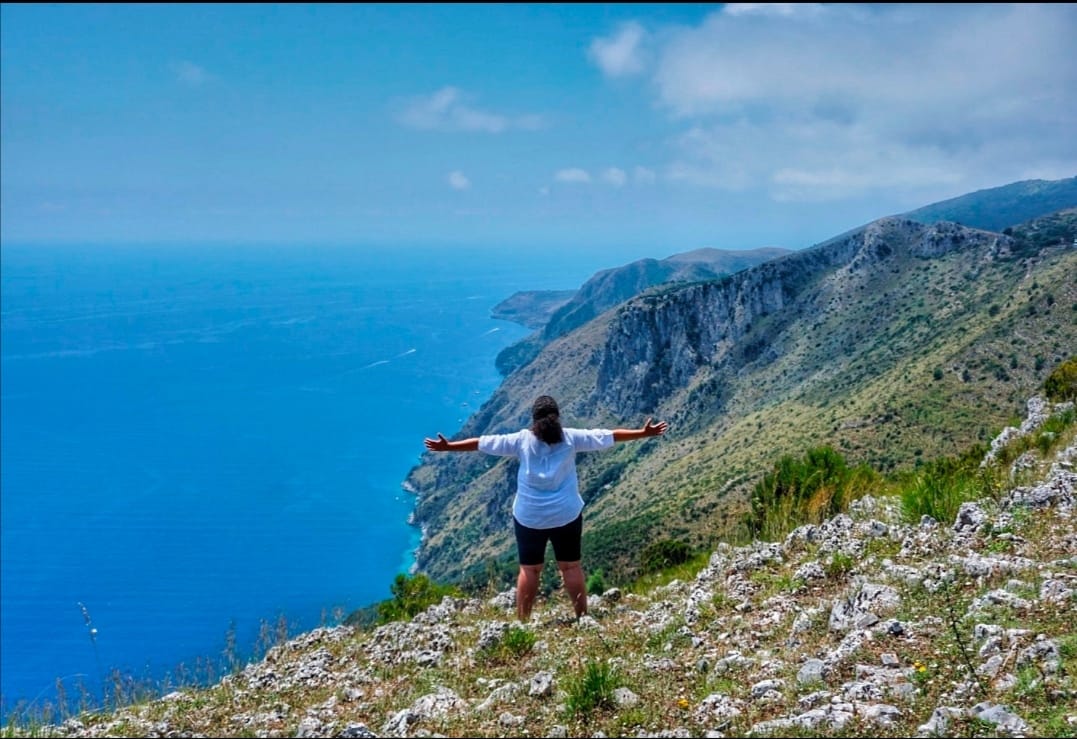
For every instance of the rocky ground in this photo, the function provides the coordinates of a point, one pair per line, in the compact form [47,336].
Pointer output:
[863,625]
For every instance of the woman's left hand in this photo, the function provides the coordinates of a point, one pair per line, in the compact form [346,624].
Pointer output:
[655,429]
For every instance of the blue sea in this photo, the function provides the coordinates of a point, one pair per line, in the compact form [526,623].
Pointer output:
[204,439]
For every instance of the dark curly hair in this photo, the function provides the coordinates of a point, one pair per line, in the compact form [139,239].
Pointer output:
[546,420]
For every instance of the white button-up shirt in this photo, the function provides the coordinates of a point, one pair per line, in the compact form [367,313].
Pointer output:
[547,488]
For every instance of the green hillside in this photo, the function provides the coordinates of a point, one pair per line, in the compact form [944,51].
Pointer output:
[892,343]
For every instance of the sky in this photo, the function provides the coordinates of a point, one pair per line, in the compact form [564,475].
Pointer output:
[657,128]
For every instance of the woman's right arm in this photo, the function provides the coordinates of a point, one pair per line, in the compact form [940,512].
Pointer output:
[441,444]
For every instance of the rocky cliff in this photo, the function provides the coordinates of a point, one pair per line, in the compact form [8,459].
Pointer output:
[611,287]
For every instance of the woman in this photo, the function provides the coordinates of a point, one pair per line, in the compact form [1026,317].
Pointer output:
[548,506]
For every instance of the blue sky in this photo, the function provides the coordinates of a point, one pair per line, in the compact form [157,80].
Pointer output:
[650,128]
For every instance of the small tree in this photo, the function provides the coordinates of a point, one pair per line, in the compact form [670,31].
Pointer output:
[411,596]
[1061,384]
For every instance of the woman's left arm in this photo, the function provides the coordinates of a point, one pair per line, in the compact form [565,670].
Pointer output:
[649,429]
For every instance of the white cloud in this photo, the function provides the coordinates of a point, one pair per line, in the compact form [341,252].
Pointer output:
[622,54]
[836,100]
[573,174]
[190,74]
[615,176]
[770,9]
[449,109]
[805,163]
[458,180]
[643,176]
[612,176]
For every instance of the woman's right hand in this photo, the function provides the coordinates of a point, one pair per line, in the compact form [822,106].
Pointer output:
[440,444]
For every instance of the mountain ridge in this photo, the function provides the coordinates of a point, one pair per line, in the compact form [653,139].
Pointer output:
[554,314]
[996,208]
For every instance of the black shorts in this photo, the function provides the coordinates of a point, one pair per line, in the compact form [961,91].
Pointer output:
[531,543]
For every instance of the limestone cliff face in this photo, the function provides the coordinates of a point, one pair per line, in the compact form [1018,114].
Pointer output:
[834,344]
[612,287]
[659,344]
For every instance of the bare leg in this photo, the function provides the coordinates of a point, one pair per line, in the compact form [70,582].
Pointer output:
[572,574]
[527,585]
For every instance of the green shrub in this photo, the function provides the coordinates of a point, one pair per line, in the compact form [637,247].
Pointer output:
[411,596]
[839,565]
[938,490]
[593,688]
[1061,384]
[596,583]
[807,490]
[665,553]
[515,642]
[518,641]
